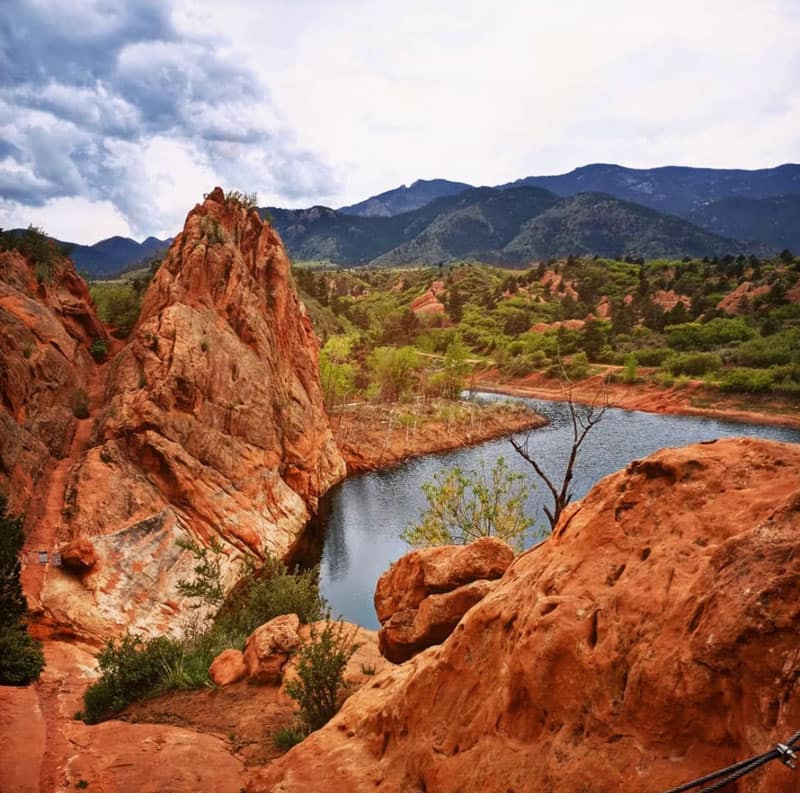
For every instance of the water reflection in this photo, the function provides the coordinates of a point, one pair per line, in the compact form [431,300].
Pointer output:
[358,532]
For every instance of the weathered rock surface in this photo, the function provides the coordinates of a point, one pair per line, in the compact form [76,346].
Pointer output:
[228,667]
[650,640]
[213,427]
[46,330]
[115,757]
[423,595]
[269,646]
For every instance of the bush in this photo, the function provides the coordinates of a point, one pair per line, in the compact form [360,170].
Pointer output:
[288,737]
[746,380]
[463,507]
[21,658]
[99,349]
[131,669]
[269,592]
[319,688]
[694,364]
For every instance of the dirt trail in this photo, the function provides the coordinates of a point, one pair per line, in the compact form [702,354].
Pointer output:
[44,514]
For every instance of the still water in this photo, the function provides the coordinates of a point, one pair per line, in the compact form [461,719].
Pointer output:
[360,521]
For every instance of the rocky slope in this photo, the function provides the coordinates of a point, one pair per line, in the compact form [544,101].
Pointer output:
[651,639]
[209,426]
[47,327]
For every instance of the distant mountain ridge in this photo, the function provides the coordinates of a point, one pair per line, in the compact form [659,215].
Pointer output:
[673,189]
[602,209]
[405,199]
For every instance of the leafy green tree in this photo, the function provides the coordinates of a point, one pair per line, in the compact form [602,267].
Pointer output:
[392,370]
[463,507]
[336,374]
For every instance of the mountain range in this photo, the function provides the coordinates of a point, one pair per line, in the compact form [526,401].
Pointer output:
[110,256]
[600,209]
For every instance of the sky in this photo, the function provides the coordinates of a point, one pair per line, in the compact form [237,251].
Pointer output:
[116,117]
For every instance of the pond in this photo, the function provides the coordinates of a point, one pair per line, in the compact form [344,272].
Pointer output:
[356,535]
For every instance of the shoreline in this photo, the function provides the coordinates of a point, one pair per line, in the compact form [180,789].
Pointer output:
[377,437]
[646,397]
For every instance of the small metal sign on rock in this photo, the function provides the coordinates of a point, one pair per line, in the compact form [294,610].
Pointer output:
[55,558]
[42,557]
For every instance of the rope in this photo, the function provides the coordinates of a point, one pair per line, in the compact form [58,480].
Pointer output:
[783,752]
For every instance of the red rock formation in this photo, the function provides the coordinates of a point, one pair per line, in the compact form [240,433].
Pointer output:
[427,303]
[422,596]
[738,300]
[667,300]
[555,281]
[569,324]
[46,330]
[651,639]
[213,427]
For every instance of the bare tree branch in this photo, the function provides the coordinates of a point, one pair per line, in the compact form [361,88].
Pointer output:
[583,419]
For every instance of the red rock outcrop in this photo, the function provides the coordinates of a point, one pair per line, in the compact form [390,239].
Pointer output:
[651,639]
[46,330]
[427,303]
[738,300]
[667,300]
[269,646]
[213,427]
[422,596]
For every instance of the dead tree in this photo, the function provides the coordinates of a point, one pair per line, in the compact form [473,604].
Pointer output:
[583,418]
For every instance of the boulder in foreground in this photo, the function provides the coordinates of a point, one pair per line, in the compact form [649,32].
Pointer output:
[650,640]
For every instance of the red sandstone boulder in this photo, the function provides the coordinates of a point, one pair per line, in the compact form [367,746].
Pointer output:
[407,632]
[79,555]
[650,640]
[269,646]
[423,595]
[228,667]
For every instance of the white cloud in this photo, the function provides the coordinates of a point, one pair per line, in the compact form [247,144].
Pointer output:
[306,101]
[72,219]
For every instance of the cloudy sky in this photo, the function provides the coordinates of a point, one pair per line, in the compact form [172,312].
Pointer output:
[115,117]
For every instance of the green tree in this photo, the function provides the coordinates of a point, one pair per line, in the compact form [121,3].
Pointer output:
[336,374]
[463,507]
[21,659]
[392,370]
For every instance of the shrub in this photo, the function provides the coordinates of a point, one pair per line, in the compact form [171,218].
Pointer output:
[319,688]
[269,592]
[463,507]
[630,373]
[746,380]
[653,356]
[131,669]
[693,363]
[288,737]
[99,349]
[21,658]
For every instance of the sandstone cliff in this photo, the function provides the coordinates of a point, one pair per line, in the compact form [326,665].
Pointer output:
[651,639]
[47,327]
[207,425]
